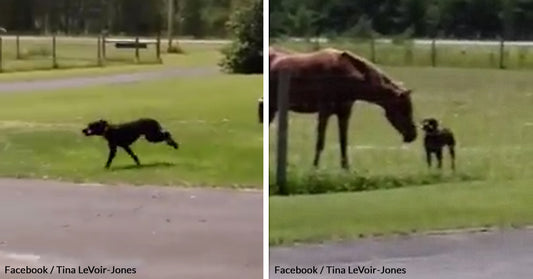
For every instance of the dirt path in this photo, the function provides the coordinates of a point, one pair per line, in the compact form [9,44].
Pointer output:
[494,255]
[72,82]
[162,232]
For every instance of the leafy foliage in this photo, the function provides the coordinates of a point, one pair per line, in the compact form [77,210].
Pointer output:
[245,55]
[475,19]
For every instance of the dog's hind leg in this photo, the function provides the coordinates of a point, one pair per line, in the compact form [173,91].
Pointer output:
[451,148]
[130,152]
[112,153]
[162,136]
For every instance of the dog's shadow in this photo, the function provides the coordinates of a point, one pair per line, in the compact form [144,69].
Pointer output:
[143,166]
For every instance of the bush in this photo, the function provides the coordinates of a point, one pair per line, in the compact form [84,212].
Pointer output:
[245,54]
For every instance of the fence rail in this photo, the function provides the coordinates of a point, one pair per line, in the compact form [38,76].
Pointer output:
[428,52]
[22,53]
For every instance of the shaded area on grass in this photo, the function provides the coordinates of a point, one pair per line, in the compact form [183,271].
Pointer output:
[143,166]
[320,182]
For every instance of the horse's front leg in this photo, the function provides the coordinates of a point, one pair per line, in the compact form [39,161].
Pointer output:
[323,116]
[343,115]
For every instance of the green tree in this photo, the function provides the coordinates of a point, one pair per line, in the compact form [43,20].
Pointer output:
[193,21]
[245,54]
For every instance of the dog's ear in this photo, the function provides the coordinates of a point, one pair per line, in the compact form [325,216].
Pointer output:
[103,121]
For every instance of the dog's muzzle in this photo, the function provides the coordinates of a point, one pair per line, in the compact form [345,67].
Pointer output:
[86,132]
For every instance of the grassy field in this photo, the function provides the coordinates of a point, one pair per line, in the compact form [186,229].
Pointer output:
[36,54]
[408,54]
[214,120]
[489,111]
[447,206]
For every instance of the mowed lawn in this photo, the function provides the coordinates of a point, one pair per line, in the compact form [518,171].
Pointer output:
[342,216]
[213,118]
[490,113]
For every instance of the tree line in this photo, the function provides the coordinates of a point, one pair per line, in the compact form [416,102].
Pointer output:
[467,19]
[196,18]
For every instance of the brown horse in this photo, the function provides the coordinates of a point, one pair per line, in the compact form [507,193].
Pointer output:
[328,82]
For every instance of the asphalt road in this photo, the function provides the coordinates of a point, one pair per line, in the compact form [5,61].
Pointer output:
[161,232]
[491,255]
[73,82]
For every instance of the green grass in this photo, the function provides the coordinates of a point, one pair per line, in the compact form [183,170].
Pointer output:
[408,54]
[489,111]
[213,118]
[399,211]
[75,54]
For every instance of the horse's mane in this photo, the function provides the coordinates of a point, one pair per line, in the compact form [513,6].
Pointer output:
[279,50]
[373,73]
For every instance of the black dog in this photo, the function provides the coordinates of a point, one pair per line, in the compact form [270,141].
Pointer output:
[435,139]
[125,134]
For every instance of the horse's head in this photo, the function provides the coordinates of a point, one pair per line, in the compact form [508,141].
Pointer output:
[399,112]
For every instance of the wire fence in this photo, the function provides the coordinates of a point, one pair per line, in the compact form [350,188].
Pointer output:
[436,53]
[24,53]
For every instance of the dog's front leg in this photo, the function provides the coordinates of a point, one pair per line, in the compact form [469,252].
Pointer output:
[428,157]
[112,152]
[130,152]
[439,158]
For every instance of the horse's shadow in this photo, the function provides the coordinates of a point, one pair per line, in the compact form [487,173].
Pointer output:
[143,166]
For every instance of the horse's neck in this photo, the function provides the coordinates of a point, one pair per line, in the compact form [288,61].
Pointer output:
[373,96]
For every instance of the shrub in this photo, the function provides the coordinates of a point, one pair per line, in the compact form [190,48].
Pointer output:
[245,54]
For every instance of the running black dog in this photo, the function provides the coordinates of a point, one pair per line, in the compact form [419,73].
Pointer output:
[435,139]
[125,134]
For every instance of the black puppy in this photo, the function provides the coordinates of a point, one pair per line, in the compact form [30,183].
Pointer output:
[435,139]
[125,134]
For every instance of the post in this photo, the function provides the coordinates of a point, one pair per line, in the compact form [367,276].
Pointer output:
[18,47]
[372,49]
[502,66]
[137,49]
[103,47]
[99,51]
[54,54]
[158,48]
[433,53]
[283,108]
[170,23]
[1,68]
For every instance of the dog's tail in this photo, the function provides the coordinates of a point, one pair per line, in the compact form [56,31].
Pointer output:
[170,141]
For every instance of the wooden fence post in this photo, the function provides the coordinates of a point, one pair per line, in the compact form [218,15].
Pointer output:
[103,48]
[54,54]
[1,68]
[18,47]
[137,49]
[502,64]
[372,49]
[99,51]
[283,108]
[158,48]
[434,53]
